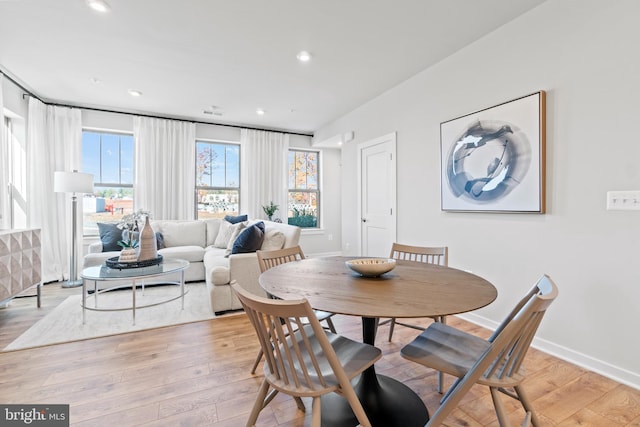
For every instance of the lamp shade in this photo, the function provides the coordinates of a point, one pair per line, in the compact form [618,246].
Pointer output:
[72,182]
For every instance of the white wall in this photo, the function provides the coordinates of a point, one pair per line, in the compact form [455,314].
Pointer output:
[583,54]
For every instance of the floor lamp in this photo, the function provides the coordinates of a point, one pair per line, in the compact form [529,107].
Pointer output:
[74,183]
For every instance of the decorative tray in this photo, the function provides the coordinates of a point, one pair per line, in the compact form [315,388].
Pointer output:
[114,263]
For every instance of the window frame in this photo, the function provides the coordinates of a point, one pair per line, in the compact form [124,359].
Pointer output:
[99,184]
[197,188]
[317,191]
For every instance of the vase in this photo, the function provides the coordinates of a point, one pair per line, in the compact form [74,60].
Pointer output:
[128,255]
[148,245]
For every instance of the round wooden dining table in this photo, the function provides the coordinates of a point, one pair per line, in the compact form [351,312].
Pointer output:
[410,290]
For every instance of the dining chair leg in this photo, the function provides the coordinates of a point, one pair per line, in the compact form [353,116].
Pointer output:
[392,324]
[257,362]
[259,403]
[499,405]
[316,412]
[330,324]
[440,381]
[300,404]
[356,406]
[526,404]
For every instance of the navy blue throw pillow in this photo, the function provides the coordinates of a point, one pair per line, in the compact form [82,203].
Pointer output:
[110,235]
[236,219]
[159,241]
[250,239]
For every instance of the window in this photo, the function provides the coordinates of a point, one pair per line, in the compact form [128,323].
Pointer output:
[304,195]
[109,157]
[217,179]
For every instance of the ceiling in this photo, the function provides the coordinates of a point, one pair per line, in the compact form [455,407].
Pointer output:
[231,57]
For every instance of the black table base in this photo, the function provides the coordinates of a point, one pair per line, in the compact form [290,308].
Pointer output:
[386,401]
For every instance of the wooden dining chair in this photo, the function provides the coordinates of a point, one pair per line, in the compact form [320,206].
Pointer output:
[496,362]
[428,255]
[302,359]
[269,259]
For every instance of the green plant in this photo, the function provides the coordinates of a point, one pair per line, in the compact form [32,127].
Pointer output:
[303,217]
[270,209]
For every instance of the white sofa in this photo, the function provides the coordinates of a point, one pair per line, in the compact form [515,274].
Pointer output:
[198,242]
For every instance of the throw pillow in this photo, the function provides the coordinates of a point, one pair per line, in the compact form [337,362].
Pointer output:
[236,219]
[160,241]
[250,240]
[225,232]
[238,228]
[110,235]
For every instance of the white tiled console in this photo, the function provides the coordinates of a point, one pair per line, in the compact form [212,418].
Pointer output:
[20,263]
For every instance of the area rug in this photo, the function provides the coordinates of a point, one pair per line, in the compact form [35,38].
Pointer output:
[64,323]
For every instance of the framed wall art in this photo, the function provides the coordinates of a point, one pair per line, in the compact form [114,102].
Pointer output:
[493,160]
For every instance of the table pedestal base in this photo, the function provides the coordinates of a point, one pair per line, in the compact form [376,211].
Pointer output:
[386,401]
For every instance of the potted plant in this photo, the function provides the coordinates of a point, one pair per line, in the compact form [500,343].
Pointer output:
[270,209]
[130,226]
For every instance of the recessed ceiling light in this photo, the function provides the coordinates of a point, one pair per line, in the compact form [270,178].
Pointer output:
[99,5]
[303,56]
[260,112]
[135,93]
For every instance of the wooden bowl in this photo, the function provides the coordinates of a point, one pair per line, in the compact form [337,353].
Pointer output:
[371,267]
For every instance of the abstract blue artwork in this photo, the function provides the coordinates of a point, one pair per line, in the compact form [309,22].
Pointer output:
[493,160]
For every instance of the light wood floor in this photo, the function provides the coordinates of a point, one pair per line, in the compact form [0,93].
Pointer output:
[198,375]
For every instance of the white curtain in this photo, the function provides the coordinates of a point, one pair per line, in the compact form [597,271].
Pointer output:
[54,143]
[264,175]
[165,156]
[5,210]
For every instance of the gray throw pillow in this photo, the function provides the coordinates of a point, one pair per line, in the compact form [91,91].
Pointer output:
[110,235]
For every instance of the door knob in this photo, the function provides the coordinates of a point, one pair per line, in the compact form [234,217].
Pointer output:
[364,219]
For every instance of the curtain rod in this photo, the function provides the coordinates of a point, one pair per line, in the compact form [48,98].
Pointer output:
[29,93]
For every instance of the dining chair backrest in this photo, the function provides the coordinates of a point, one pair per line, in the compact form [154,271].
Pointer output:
[430,255]
[508,346]
[269,259]
[544,290]
[288,331]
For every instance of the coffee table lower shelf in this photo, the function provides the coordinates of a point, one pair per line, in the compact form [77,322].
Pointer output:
[139,279]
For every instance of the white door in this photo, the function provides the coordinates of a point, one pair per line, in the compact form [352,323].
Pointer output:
[377,163]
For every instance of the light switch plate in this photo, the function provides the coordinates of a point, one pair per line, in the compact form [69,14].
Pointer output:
[623,200]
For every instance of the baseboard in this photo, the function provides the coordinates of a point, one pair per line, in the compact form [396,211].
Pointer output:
[623,376]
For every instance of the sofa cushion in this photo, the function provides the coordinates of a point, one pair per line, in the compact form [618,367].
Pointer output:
[225,233]
[213,227]
[188,253]
[184,233]
[236,219]
[273,240]
[110,235]
[250,239]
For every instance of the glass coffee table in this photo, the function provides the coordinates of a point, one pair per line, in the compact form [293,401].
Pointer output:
[139,277]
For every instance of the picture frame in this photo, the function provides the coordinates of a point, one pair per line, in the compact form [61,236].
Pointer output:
[493,160]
